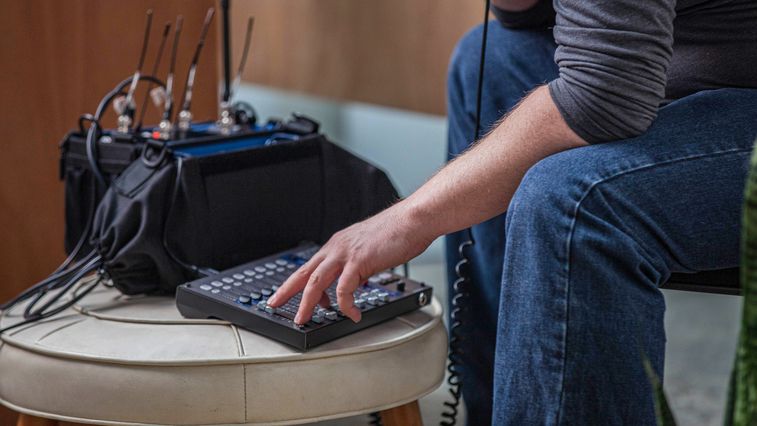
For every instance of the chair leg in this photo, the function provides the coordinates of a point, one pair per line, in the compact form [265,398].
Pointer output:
[404,415]
[27,420]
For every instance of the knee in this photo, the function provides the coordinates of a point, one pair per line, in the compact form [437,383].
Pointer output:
[548,192]
[566,205]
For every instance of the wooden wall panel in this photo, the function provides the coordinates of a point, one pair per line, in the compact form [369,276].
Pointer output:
[388,52]
[57,59]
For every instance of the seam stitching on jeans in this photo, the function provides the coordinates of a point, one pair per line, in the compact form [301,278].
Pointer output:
[570,241]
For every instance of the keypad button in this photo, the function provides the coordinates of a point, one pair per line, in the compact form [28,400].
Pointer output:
[239,276]
[205,287]
[216,284]
[237,283]
[227,287]
[279,269]
[255,295]
[261,305]
[375,292]
[291,266]
[249,272]
[244,299]
[360,303]
[260,269]
[317,319]
[331,315]
[227,280]
[274,287]
[281,262]
[385,276]
[372,300]
[383,296]
[215,291]
[258,277]
[270,265]
[374,280]
[266,292]
[269,273]
[269,309]
[248,280]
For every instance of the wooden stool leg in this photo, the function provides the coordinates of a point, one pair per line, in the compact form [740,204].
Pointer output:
[27,420]
[404,415]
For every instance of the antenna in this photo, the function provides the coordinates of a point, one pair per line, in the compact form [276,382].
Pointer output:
[243,62]
[185,115]
[155,66]
[127,115]
[165,125]
[226,122]
[226,51]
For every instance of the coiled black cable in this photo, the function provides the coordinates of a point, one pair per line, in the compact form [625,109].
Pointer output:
[462,270]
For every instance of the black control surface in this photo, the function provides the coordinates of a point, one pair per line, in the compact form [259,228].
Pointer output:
[239,295]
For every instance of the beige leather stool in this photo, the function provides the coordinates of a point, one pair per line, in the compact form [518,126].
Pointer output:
[120,360]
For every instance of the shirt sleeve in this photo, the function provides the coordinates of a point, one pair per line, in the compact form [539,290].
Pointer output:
[540,15]
[613,58]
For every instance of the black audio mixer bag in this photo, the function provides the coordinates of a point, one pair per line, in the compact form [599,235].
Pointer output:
[220,210]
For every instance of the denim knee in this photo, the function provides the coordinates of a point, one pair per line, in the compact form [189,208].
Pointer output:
[571,202]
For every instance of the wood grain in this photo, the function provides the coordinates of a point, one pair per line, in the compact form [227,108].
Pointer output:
[404,415]
[388,52]
[58,59]
[27,420]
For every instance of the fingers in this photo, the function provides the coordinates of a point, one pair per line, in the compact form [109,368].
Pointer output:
[325,302]
[348,282]
[296,282]
[319,280]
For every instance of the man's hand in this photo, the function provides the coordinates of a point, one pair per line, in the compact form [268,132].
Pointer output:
[352,255]
[474,187]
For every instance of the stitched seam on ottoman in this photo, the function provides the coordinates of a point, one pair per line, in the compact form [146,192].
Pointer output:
[569,242]
[237,340]
[244,379]
[422,330]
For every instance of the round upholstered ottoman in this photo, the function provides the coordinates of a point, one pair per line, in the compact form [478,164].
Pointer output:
[122,360]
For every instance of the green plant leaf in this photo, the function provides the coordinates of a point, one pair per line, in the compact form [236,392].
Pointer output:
[742,402]
[661,408]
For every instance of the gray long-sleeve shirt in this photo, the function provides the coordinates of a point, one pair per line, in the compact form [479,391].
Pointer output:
[619,60]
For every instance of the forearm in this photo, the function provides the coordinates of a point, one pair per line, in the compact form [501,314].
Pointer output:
[479,184]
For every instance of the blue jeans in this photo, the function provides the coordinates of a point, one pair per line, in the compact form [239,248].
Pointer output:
[565,294]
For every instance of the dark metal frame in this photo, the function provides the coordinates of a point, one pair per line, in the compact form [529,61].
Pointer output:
[722,281]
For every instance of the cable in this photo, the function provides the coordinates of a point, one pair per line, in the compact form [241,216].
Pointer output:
[58,309]
[198,271]
[461,285]
[65,267]
[67,274]
[93,264]
[94,129]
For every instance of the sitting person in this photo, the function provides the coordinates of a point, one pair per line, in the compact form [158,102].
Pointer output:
[618,143]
